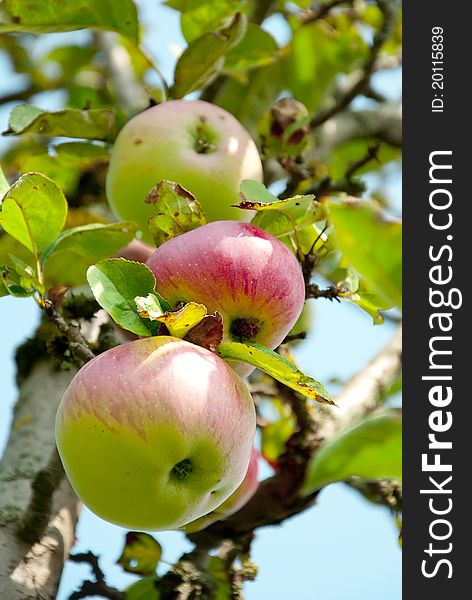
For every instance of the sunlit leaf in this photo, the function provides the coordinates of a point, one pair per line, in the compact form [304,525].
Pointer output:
[371,450]
[203,60]
[74,250]
[141,554]
[4,185]
[94,124]
[177,211]
[144,589]
[45,16]
[256,49]
[199,16]
[372,245]
[320,52]
[277,367]
[181,321]
[116,283]
[34,211]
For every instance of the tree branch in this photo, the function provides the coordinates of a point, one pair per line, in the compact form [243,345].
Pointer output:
[322,10]
[384,123]
[121,74]
[77,343]
[37,518]
[271,504]
[99,587]
[389,10]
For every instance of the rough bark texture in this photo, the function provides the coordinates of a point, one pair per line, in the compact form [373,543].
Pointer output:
[34,570]
[38,509]
[271,504]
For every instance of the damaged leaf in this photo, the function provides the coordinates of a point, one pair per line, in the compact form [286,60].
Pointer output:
[177,211]
[277,367]
[208,333]
[141,554]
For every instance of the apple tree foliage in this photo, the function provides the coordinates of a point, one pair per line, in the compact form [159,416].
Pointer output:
[58,239]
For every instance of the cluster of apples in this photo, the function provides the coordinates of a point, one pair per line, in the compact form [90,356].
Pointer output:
[158,433]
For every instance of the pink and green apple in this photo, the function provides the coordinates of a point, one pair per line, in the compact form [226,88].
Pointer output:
[239,270]
[136,250]
[196,144]
[237,500]
[155,433]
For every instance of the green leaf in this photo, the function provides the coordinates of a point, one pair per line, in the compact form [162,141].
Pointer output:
[256,49]
[221,580]
[372,245]
[94,124]
[320,52]
[274,435]
[256,192]
[177,211]
[180,322]
[248,100]
[74,250]
[141,554]
[340,158]
[199,16]
[371,450]
[4,185]
[277,367]
[203,60]
[80,154]
[34,211]
[15,283]
[115,283]
[26,272]
[292,220]
[47,16]
[144,589]
[369,302]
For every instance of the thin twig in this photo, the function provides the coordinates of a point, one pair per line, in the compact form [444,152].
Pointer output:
[77,343]
[99,587]
[331,293]
[322,11]
[371,154]
[389,10]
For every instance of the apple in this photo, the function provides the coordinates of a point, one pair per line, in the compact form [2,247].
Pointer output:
[239,270]
[237,500]
[155,433]
[135,250]
[197,144]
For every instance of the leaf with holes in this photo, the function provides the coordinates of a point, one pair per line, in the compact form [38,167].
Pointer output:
[177,211]
[49,16]
[203,60]
[93,124]
[277,367]
[371,450]
[115,283]
[141,554]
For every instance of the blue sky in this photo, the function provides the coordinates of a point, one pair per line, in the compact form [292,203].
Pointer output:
[342,548]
